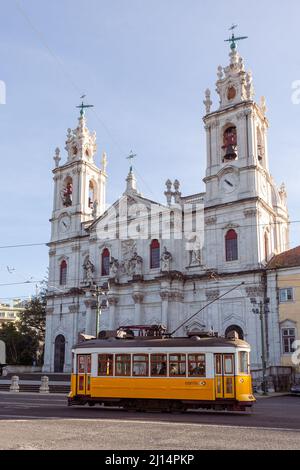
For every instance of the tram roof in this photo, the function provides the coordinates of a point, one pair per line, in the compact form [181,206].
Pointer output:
[147,342]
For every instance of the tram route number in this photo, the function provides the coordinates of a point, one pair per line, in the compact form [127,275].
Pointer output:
[153,459]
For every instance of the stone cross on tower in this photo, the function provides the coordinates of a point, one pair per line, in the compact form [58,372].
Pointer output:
[233,39]
[130,157]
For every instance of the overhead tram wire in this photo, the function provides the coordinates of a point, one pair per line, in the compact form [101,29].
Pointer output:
[205,306]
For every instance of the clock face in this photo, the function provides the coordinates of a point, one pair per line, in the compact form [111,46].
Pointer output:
[65,223]
[229,183]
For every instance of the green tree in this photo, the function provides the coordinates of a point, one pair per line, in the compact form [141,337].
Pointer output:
[20,347]
[32,322]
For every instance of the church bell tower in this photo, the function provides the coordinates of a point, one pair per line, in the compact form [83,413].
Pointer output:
[79,184]
[241,194]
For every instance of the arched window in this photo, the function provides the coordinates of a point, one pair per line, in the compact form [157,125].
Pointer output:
[91,194]
[230,144]
[232,330]
[266,242]
[105,260]
[63,273]
[154,254]
[231,245]
[67,192]
[260,146]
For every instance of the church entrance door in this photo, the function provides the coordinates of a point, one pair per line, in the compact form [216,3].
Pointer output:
[59,353]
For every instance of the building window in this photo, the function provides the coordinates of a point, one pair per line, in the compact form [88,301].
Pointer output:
[288,338]
[67,192]
[231,245]
[266,240]
[63,273]
[105,260]
[286,295]
[154,254]
[91,194]
[230,144]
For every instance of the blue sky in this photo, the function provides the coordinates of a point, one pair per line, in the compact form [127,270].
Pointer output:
[144,64]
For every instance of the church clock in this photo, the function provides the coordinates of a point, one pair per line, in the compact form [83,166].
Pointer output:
[229,183]
[65,223]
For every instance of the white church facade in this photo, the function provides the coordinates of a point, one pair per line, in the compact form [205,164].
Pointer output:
[156,279]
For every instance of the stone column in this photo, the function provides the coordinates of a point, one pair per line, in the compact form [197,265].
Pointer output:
[138,298]
[164,295]
[90,320]
[113,301]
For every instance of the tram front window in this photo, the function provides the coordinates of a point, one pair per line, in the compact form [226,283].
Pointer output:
[243,362]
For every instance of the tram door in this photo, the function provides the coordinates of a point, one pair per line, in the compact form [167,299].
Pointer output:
[84,374]
[224,376]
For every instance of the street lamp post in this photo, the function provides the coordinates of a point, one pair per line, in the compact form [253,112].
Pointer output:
[261,310]
[98,292]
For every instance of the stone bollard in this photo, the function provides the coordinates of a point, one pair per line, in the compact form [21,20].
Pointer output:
[14,384]
[44,388]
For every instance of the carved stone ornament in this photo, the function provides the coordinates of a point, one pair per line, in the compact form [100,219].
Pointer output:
[113,300]
[138,297]
[114,267]
[254,291]
[207,102]
[210,220]
[176,296]
[165,295]
[248,213]
[212,294]
[73,308]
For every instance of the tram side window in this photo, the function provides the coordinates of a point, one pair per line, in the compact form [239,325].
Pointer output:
[140,365]
[105,364]
[158,365]
[243,362]
[196,365]
[122,364]
[177,364]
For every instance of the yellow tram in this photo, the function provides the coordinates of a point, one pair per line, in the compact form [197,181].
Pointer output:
[162,373]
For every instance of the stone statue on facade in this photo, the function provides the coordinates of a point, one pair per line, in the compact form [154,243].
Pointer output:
[89,270]
[166,259]
[136,264]
[114,268]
